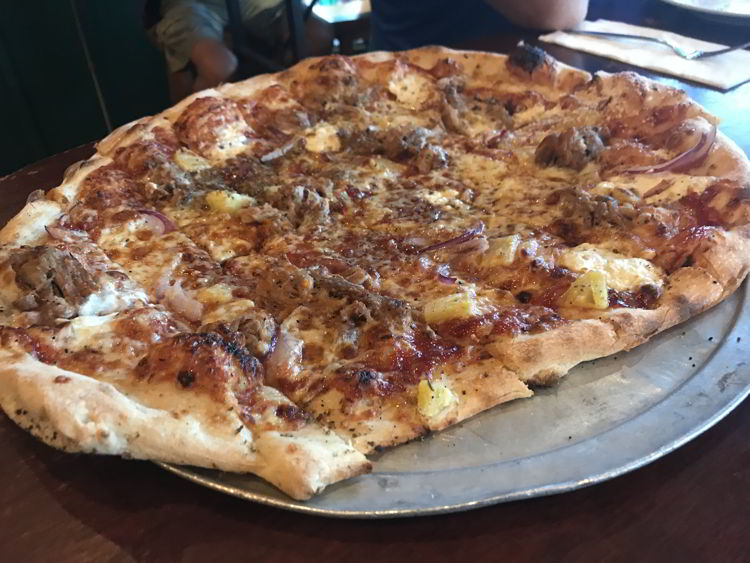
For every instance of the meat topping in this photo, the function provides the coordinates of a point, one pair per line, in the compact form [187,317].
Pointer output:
[339,287]
[396,143]
[582,210]
[430,158]
[255,331]
[644,297]
[573,148]
[55,282]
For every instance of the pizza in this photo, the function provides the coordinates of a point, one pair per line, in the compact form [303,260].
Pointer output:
[283,275]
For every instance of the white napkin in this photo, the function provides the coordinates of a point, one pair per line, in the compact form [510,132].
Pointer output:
[723,71]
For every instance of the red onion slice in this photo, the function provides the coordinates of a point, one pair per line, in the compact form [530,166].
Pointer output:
[159,288]
[494,141]
[688,159]
[153,224]
[443,277]
[283,364]
[180,302]
[65,235]
[662,186]
[468,235]
[167,225]
[279,152]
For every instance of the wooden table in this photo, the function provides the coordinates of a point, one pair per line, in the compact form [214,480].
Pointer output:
[692,505]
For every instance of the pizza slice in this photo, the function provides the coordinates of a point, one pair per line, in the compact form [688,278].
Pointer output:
[90,373]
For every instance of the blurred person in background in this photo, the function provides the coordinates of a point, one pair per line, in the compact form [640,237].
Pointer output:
[193,36]
[405,24]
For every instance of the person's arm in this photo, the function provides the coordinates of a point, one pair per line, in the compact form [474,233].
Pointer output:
[542,14]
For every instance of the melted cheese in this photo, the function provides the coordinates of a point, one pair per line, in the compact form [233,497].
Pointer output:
[390,117]
[119,234]
[382,168]
[411,89]
[108,300]
[215,294]
[533,114]
[152,270]
[444,198]
[190,162]
[481,171]
[622,274]
[90,332]
[316,337]
[228,311]
[231,139]
[322,138]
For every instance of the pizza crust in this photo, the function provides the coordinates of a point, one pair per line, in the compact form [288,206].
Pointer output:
[74,412]
[28,226]
[718,272]
[542,359]
[726,160]
[476,386]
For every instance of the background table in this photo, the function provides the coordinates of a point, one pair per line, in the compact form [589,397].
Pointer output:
[692,505]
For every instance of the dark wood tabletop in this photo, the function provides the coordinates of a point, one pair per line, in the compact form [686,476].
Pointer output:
[692,505]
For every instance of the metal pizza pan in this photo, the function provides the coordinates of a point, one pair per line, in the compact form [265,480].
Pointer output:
[606,418]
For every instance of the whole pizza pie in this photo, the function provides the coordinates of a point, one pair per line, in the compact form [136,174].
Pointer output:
[283,275]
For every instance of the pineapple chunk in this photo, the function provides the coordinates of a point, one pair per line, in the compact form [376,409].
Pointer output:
[219,293]
[227,202]
[456,306]
[431,401]
[622,274]
[589,291]
[189,161]
[502,251]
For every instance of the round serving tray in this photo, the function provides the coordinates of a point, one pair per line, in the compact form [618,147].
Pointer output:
[607,417]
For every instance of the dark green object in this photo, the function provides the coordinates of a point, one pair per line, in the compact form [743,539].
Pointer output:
[48,101]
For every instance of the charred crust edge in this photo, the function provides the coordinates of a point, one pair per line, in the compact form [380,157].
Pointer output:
[528,57]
